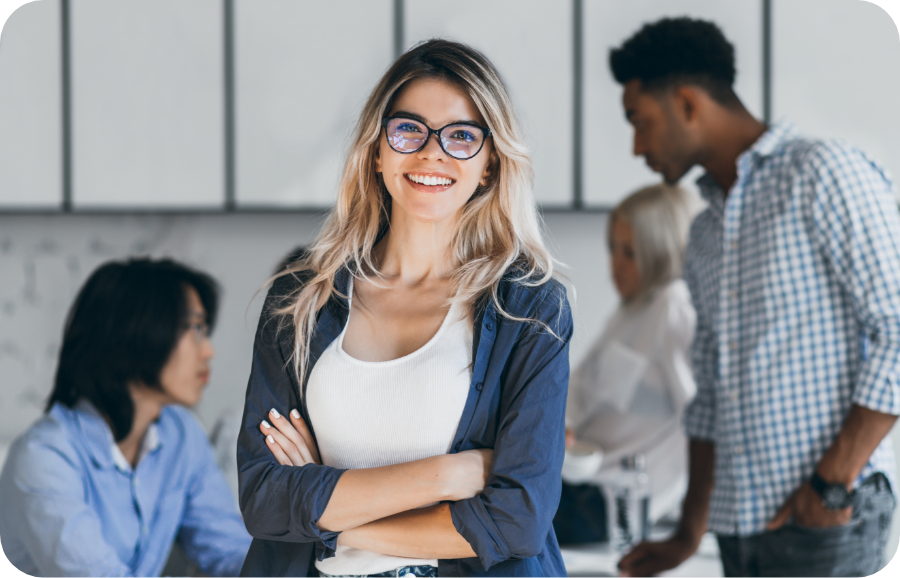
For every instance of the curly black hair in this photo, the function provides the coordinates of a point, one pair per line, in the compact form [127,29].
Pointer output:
[676,51]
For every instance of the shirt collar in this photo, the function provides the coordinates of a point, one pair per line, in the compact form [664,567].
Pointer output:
[150,443]
[101,444]
[771,142]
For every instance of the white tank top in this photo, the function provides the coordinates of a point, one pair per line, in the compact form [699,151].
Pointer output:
[369,414]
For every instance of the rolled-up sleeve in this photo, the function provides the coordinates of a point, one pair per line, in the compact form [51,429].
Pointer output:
[511,519]
[282,503]
[856,226]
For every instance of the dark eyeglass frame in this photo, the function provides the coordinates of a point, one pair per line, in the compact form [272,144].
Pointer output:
[199,330]
[435,132]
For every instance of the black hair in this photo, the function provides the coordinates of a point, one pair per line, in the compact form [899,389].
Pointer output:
[675,51]
[122,328]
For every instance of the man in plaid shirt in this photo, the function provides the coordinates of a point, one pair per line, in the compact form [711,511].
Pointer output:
[794,270]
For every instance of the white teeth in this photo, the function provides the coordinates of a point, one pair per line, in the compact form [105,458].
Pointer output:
[429,180]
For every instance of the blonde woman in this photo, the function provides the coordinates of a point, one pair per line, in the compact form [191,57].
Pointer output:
[405,411]
[629,393]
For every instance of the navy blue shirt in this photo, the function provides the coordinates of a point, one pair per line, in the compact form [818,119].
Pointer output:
[516,406]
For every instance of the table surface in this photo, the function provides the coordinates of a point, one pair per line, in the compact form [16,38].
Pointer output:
[599,559]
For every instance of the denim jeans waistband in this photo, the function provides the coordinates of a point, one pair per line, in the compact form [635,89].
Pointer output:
[424,570]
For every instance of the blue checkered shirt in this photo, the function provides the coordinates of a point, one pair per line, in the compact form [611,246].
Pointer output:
[796,282]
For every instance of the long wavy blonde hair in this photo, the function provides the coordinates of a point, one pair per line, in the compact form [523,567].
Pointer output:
[499,226]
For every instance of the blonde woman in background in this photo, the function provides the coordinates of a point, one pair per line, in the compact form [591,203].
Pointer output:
[405,411]
[628,394]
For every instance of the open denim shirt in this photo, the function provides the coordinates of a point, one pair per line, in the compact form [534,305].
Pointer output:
[516,405]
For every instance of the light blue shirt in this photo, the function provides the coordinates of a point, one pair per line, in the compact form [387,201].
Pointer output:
[70,505]
[795,277]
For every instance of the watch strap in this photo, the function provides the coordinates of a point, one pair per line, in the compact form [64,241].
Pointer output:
[829,492]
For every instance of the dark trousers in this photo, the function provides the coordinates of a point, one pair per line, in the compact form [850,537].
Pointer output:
[581,516]
[854,549]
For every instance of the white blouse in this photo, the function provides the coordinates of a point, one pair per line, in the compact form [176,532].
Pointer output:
[629,393]
[369,414]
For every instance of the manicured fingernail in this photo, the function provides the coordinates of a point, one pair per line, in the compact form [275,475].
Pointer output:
[295,413]
[266,424]
[270,439]
[275,413]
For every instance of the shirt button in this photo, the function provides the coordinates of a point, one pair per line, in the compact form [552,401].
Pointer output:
[489,326]
[734,244]
[738,450]
[457,446]
[479,386]
[734,395]
[732,345]
[733,294]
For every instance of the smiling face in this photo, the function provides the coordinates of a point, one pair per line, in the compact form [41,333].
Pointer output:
[625,272]
[429,185]
[660,135]
[186,372]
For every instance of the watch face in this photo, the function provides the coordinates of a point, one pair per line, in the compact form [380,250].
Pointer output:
[835,497]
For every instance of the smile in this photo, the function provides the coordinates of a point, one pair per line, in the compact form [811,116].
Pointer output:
[429,180]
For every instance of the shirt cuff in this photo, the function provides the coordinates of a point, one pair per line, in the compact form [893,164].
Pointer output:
[326,545]
[878,394]
[473,523]
[700,421]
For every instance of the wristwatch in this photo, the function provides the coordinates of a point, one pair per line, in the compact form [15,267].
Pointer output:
[834,496]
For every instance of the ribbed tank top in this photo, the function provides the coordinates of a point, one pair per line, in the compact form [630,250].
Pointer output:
[370,414]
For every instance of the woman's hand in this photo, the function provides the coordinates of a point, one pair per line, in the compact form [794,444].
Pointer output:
[467,472]
[570,438]
[289,441]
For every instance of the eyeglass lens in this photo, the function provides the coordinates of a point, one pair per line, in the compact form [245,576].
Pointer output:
[200,330]
[461,141]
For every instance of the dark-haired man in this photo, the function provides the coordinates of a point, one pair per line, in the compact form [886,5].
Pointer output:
[116,472]
[794,269]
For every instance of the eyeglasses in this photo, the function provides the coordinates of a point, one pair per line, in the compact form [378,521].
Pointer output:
[199,330]
[461,140]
